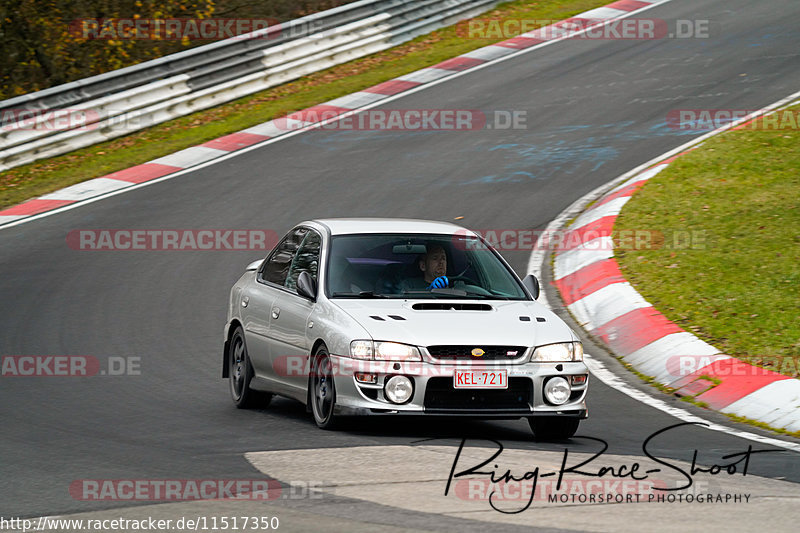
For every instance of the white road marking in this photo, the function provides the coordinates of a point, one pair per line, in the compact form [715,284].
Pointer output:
[89,188]
[583,255]
[453,75]
[608,209]
[599,371]
[539,256]
[777,401]
[606,304]
[652,359]
[189,156]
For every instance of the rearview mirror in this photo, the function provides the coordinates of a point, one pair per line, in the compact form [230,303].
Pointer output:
[532,284]
[306,286]
[409,249]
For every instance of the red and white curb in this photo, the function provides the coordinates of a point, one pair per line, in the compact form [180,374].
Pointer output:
[609,308]
[308,118]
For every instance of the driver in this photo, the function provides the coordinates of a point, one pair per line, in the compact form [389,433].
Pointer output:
[433,265]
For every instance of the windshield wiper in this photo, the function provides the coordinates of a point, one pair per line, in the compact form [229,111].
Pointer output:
[362,294]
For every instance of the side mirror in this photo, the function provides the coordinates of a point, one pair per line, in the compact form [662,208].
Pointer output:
[306,286]
[532,284]
[254,265]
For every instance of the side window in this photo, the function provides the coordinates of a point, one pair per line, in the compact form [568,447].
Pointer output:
[276,269]
[306,259]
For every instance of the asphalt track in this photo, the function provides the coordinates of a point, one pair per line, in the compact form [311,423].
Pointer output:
[595,109]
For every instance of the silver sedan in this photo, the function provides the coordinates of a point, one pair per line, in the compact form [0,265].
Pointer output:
[402,317]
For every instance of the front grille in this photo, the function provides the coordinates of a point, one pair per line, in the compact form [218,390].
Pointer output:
[491,353]
[440,394]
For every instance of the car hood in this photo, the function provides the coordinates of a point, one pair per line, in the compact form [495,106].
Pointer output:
[479,322]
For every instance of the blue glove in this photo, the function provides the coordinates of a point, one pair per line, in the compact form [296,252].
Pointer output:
[439,283]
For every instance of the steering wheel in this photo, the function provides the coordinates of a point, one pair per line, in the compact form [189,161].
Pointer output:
[465,279]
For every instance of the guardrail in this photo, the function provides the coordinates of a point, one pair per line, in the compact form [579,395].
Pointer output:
[117,103]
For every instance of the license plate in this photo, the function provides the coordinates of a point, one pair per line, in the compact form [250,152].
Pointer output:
[480,379]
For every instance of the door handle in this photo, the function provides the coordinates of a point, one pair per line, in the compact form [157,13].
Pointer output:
[275,312]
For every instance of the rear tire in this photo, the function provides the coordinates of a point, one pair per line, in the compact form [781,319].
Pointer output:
[546,428]
[322,390]
[240,373]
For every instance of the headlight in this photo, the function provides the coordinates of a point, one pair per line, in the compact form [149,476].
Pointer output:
[384,351]
[361,349]
[398,389]
[392,351]
[554,353]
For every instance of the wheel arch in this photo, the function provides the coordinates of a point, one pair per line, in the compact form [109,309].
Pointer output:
[317,343]
[226,348]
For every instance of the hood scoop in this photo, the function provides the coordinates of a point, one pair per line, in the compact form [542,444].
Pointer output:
[442,306]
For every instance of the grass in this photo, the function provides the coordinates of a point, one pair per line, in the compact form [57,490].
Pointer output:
[729,267]
[756,423]
[32,180]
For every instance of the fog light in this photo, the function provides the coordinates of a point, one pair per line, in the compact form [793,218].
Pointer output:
[557,390]
[363,377]
[398,389]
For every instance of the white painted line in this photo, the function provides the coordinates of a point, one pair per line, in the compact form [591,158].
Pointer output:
[190,157]
[86,189]
[680,343]
[5,219]
[646,175]
[267,129]
[604,305]
[540,255]
[286,125]
[777,404]
[427,75]
[539,258]
[602,13]
[582,256]
[608,209]
[452,76]
[487,53]
[599,371]
[355,100]
[662,357]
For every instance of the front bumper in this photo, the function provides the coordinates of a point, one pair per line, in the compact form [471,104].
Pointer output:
[435,394]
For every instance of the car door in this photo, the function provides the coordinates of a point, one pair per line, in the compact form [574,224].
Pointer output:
[289,327]
[260,297]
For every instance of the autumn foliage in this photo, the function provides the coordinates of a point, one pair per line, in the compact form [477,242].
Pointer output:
[42,45]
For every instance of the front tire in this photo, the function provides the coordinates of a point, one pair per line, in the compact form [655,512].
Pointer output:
[323,390]
[547,428]
[240,373]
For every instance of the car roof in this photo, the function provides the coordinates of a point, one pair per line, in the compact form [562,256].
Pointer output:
[345,226]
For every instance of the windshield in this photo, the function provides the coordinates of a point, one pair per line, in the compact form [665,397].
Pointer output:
[418,266]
